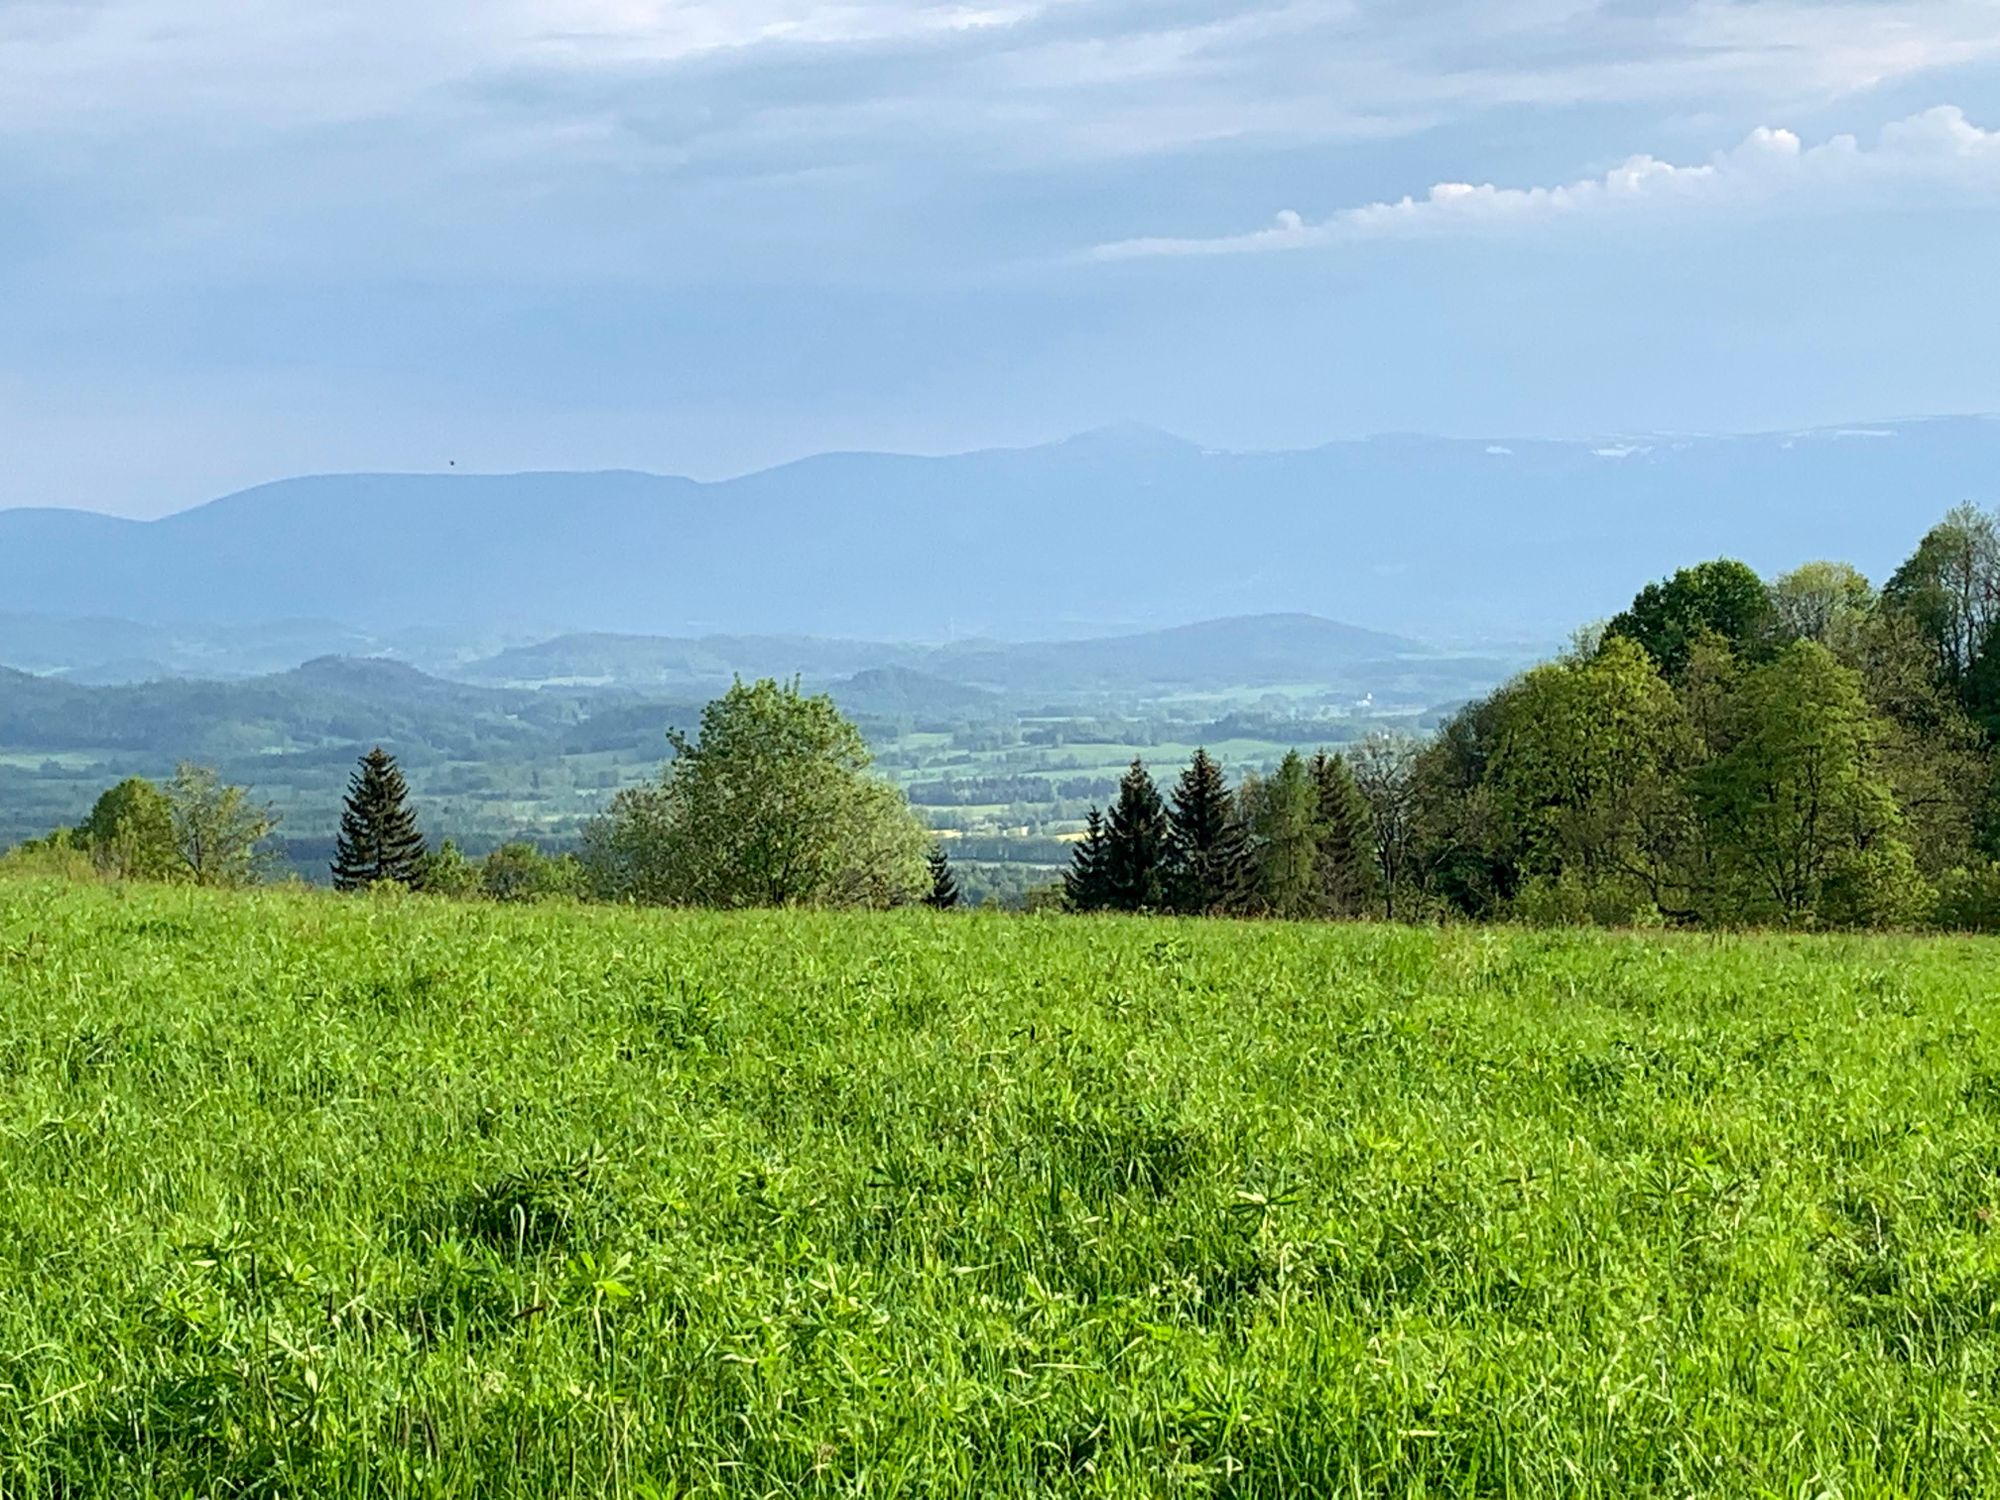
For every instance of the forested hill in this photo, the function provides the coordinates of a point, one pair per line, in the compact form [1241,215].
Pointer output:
[1426,536]
[1207,656]
[334,702]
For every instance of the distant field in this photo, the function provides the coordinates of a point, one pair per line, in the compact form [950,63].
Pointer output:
[302,1196]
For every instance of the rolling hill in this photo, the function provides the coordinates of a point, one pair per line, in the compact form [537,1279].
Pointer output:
[1207,656]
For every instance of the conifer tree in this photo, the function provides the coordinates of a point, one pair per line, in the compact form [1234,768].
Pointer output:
[379,839]
[1283,825]
[1346,842]
[1083,881]
[1207,847]
[944,883]
[1136,845]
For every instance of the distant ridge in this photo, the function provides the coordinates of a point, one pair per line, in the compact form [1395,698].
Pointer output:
[1249,651]
[1425,536]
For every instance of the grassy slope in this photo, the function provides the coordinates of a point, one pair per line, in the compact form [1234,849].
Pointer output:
[339,1198]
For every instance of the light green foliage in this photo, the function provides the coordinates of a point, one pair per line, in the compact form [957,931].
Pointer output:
[1282,811]
[773,804]
[1827,602]
[219,833]
[58,856]
[130,832]
[1801,821]
[1588,776]
[1950,589]
[308,1198]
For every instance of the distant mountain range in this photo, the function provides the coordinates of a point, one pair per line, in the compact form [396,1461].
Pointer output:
[1431,537]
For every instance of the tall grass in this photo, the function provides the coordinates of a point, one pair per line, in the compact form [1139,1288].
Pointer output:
[301,1196]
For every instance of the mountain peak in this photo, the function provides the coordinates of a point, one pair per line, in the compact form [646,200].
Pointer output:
[1128,438]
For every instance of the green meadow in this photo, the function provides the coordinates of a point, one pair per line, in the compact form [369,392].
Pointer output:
[302,1196]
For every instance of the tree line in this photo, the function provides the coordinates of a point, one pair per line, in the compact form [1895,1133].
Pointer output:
[1807,751]
[771,803]
[196,829]
[1803,751]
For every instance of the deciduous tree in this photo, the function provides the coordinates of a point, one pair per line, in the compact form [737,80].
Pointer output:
[219,833]
[1803,825]
[773,803]
[1949,589]
[130,832]
[1385,769]
[1723,597]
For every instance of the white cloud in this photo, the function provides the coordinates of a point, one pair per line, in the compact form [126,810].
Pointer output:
[1938,151]
[1109,75]
[211,139]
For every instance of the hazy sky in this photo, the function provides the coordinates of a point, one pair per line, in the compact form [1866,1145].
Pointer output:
[247,238]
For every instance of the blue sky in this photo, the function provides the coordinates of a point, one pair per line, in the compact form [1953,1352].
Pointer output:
[247,238]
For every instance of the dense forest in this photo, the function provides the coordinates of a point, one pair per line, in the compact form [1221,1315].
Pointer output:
[1808,750]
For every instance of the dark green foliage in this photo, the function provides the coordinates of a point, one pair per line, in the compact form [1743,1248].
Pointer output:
[1207,849]
[1084,879]
[1969,899]
[447,872]
[130,832]
[379,841]
[519,871]
[1136,841]
[1724,598]
[1349,881]
[943,894]
[1981,694]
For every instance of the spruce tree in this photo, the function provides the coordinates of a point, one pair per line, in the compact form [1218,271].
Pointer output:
[1207,843]
[1346,843]
[1136,845]
[1083,881]
[379,840]
[944,884]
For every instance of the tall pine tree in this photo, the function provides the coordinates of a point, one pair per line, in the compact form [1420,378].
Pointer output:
[1135,845]
[379,840]
[1346,844]
[944,883]
[1208,847]
[1083,881]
